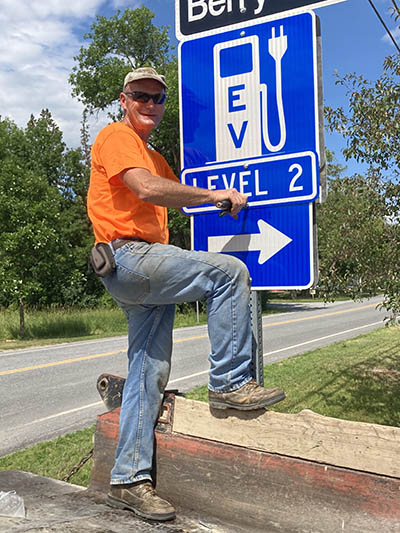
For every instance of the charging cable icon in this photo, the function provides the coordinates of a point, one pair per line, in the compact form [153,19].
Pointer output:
[241,105]
[277,47]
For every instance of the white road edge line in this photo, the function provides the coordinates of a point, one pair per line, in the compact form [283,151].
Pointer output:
[284,349]
[96,404]
[322,338]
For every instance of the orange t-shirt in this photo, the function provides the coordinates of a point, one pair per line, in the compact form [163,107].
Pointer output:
[114,210]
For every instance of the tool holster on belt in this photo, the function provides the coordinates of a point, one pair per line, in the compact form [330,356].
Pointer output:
[102,259]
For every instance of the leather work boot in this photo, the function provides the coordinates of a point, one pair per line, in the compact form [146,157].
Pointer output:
[141,498]
[248,397]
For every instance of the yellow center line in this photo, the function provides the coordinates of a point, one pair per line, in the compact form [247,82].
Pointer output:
[56,363]
[323,315]
[176,341]
[186,339]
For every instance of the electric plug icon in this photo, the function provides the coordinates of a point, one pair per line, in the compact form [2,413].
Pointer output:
[277,46]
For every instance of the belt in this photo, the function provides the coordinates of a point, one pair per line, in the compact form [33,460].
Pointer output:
[124,240]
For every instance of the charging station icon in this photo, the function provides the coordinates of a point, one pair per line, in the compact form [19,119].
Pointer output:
[250,112]
[241,104]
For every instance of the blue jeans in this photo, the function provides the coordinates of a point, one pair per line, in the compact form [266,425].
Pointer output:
[147,283]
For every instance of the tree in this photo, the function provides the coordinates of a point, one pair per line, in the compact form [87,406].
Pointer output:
[371,126]
[355,238]
[118,45]
[67,170]
[359,238]
[30,227]
[44,147]
[45,235]
[334,169]
[124,42]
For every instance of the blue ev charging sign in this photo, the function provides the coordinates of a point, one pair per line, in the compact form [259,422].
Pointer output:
[249,111]
[250,121]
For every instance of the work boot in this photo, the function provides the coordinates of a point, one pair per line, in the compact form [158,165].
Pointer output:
[248,397]
[141,498]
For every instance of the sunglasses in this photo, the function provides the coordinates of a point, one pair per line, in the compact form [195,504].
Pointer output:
[140,96]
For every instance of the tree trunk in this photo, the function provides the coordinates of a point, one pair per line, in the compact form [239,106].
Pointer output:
[21,318]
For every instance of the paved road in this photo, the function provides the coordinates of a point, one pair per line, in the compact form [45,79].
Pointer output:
[48,391]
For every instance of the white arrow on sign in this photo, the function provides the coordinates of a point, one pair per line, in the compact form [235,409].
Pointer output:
[269,242]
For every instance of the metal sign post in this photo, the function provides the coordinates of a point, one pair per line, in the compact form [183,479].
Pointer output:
[257,364]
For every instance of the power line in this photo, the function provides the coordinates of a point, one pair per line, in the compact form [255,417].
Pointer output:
[384,25]
[396,6]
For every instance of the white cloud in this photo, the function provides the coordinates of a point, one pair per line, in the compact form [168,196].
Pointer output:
[122,4]
[396,36]
[53,8]
[38,44]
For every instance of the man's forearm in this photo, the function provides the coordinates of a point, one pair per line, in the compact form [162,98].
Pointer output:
[165,192]
[168,193]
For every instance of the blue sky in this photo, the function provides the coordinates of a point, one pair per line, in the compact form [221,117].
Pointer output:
[40,38]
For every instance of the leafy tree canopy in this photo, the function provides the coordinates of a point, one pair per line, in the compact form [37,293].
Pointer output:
[359,231]
[118,45]
[45,235]
[371,127]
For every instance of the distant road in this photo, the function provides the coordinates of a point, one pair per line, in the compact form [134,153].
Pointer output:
[51,390]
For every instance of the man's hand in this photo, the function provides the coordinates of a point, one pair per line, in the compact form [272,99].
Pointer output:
[237,200]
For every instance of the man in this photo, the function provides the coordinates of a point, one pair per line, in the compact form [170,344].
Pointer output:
[131,186]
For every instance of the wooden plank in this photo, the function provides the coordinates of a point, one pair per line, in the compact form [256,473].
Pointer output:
[262,492]
[254,490]
[307,435]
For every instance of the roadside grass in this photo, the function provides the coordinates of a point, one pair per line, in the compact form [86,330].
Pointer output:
[55,458]
[63,325]
[355,380]
[57,326]
[60,325]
